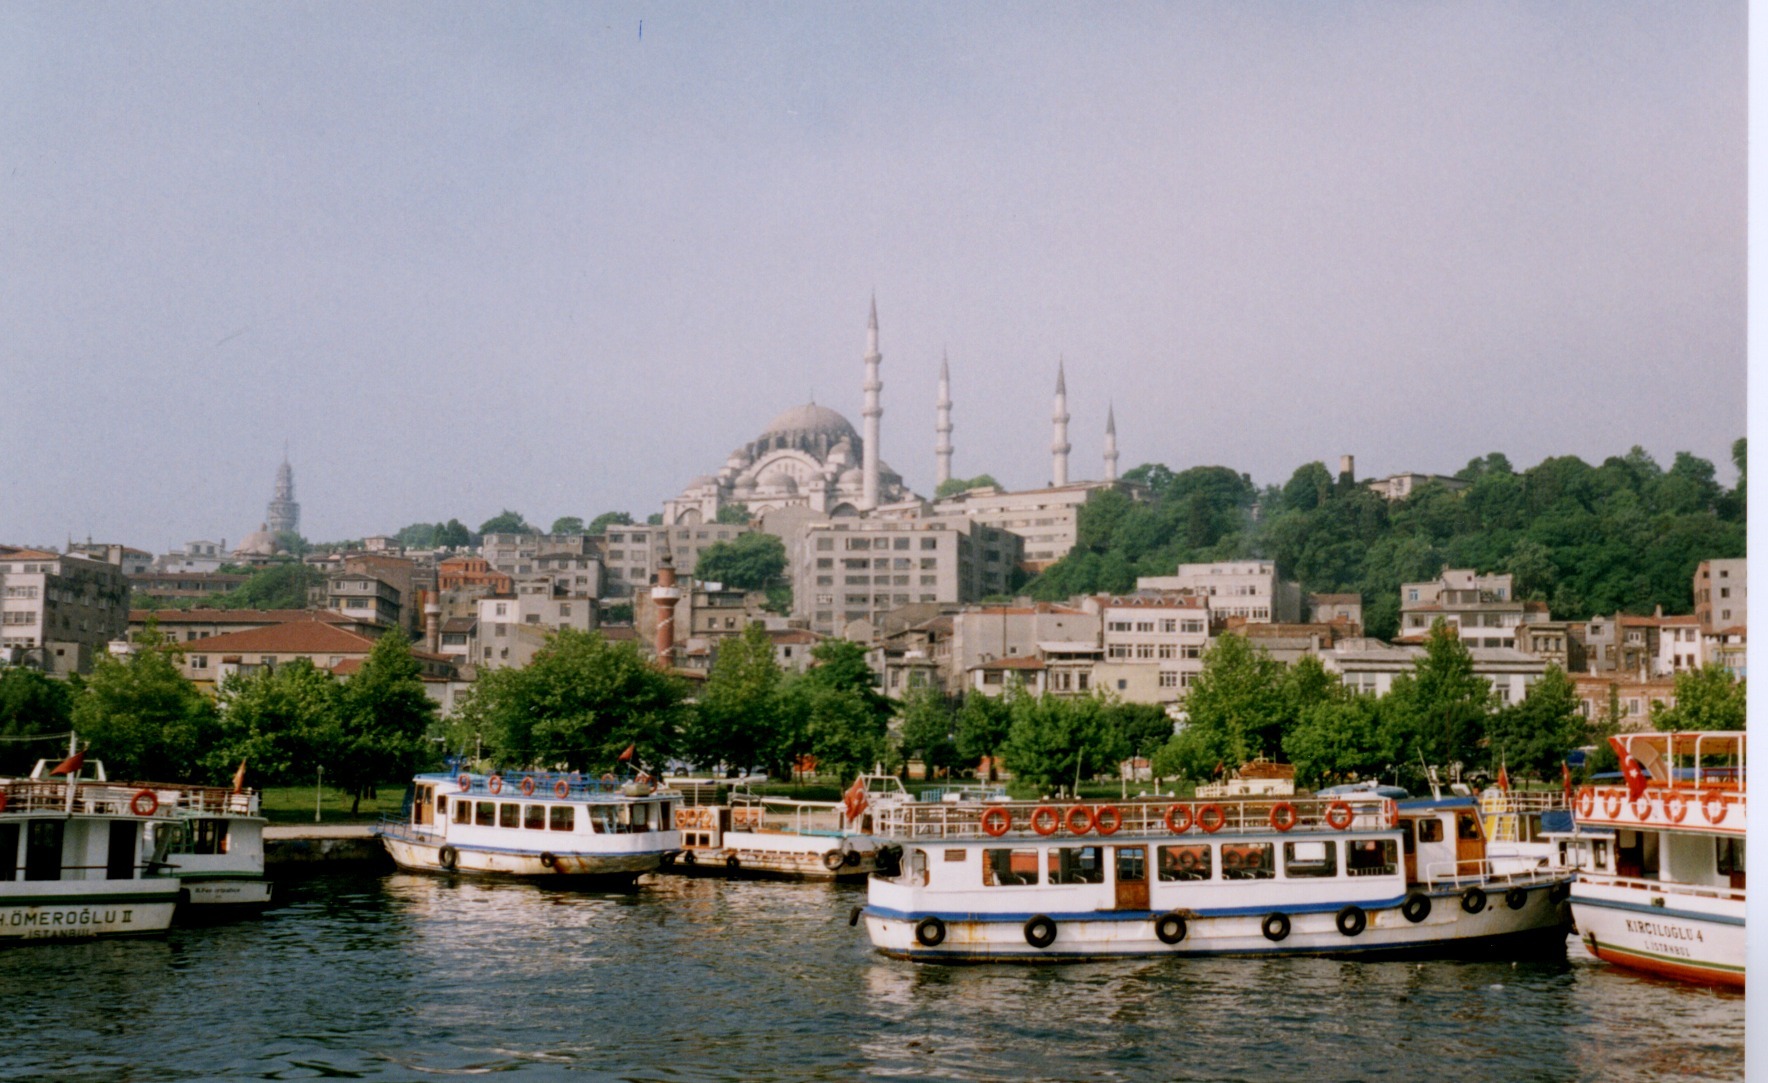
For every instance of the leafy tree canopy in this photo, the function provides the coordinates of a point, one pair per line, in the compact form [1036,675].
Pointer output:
[31,703]
[570,524]
[384,720]
[283,723]
[952,486]
[507,522]
[279,586]
[1708,698]
[143,718]
[732,513]
[601,523]
[746,562]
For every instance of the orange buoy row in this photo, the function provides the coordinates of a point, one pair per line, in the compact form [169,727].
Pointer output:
[1178,818]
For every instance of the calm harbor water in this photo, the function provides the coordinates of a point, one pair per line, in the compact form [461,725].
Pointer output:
[403,977]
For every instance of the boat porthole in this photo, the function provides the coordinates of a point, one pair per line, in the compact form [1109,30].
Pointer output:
[449,857]
[1276,927]
[1169,929]
[832,860]
[930,932]
[1473,900]
[1416,907]
[1516,898]
[1352,920]
[1040,931]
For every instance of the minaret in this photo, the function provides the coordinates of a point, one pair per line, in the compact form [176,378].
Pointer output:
[664,596]
[872,412]
[1059,446]
[432,622]
[284,514]
[943,449]
[1110,443]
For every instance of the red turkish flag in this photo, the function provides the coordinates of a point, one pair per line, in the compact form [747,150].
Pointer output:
[1503,779]
[627,755]
[1637,779]
[1565,769]
[854,800]
[71,765]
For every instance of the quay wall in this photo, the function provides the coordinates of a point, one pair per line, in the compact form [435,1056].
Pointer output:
[289,848]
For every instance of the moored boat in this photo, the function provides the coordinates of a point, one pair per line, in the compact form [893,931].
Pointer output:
[755,835]
[1665,894]
[1356,874]
[534,824]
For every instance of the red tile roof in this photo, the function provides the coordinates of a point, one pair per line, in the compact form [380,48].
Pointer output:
[238,616]
[292,637]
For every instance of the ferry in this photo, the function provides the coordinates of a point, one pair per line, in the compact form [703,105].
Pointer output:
[534,824]
[754,835]
[1357,874]
[1665,893]
[71,863]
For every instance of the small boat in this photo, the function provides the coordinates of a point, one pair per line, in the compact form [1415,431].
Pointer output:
[750,834]
[534,824]
[1665,893]
[71,863]
[1357,874]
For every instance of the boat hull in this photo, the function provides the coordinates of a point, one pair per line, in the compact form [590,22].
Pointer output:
[1448,930]
[211,899]
[72,910]
[623,866]
[1674,940]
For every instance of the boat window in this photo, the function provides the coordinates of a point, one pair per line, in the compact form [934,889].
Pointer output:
[1467,827]
[1184,862]
[1729,855]
[441,806]
[534,817]
[1430,830]
[1132,865]
[1009,868]
[208,837]
[1599,854]
[509,814]
[1314,858]
[1371,857]
[1408,837]
[641,817]
[1076,865]
[1248,860]
[485,813]
[43,849]
[917,866]
[8,851]
[463,812]
[564,818]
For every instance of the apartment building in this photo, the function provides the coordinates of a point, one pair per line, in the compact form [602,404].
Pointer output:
[1721,594]
[1249,589]
[1482,610]
[1152,644]
[849,571]
[59,611]
[630,554]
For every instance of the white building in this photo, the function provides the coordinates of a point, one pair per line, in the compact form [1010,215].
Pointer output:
[59,611]
[1248,589]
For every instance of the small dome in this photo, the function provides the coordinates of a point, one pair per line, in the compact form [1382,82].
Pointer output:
[259,543]
[810,420]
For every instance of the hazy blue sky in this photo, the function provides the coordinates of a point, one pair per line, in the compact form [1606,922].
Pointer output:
[471,256]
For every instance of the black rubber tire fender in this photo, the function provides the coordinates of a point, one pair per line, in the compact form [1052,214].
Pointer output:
[1275,927]
[1169,929]
[1516,898]
[448,857]
[1351,920]
[1473,900]
[1040,931]
[930,932]
[1416,907]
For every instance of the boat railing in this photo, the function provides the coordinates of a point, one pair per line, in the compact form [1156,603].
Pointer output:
[1662,887]
[144,799]
[1471,871]
[1019,819]
[546,784]
[1698,804]
[784,815]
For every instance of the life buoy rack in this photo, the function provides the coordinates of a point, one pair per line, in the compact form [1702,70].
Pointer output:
[996,822]
[1586,803]
[562,788]
[1040,931]
[494,784]
[1169,929]
[1275,927]
[144,803]
[1079,819]
[1283,816]
[1714,807]
[1045,820]
[1416,907]
[1473,900]
[1339,815]
[930,932]
[1611,803]
[1676,806]
[1107,819]
[465,782]
[528,786]
[1351,920]
[1211,818]
[1178,818]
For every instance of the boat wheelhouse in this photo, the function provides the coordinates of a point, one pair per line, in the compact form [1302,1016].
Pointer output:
[71,861]
[1357,874]
[1665,892]
[754,835]
[534,823]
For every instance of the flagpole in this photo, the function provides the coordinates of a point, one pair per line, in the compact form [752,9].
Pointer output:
[73,775]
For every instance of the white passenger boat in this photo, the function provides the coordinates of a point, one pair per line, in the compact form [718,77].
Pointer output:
[534,823]
[755,835]
[1666,894]
[1362,875]
[71,864]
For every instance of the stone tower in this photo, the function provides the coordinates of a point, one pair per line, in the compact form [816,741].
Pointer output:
[872,412]
[1059,446]
[283,514]
[942,450]
[1110,443]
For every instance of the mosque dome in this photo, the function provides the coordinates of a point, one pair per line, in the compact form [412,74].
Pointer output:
[811,420]
[259,543]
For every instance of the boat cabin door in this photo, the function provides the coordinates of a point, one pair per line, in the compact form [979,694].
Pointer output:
[1132,877]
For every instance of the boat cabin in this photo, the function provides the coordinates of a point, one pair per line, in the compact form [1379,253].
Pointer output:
[1443,840]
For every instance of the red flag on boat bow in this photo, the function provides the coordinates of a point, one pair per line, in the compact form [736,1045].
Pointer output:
[626,757]
[854,800]
[1565,770]
[239,778]
[1637,779]
[71,765]
[1503,778]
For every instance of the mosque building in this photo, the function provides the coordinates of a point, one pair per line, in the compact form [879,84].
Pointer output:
[282,514]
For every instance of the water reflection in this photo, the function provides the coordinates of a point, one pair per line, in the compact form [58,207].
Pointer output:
[411,977]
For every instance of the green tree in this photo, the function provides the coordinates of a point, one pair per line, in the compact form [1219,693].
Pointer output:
[928,729]
[738,718]
[30,704]
[1436,715]
[384,717]
[284,722]
[1338,740]
[845,720]
[1143,727]
[952,486]
[1708,698]
[736,514]
[1235,711]
[280,586]
[1056,741]
[143,718]
[287,541]
[578,704]
[569,524]
[601,523]
[1533,736]
[454,535]
[981,727]
[506,522]
[418,535]
[746,562]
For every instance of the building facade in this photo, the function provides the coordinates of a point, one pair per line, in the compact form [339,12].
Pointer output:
[848,571]
[58,612]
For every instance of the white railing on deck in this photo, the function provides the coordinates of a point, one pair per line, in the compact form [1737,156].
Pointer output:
[121,798]
[941,820]
[1661,887]
[1452,873]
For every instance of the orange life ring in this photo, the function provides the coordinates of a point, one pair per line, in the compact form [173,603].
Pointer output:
[1675,806]
[996,821]
[1586,803]
[1231,857]
[528,786]
[147,798]
[1188,859]
[1082,813]
[562,788]
[1611,803]
[1642,806]
[1283,816]
[1714,800]
[494,784]
[1107,819]
[465,782]
[1045,820]
[1339,815]
[1178,818]
[1204,818]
